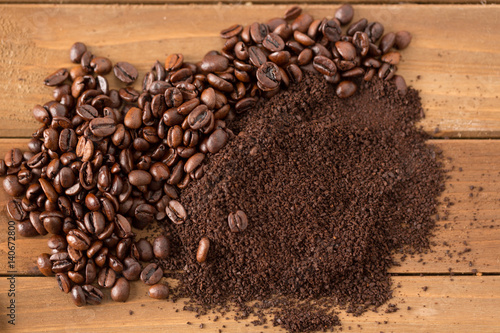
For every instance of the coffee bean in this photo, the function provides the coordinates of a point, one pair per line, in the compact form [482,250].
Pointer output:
[374,30]
[386,71]
[145,213]
[101,65]
[199,117]
[49,190]
[202,252]
[93,295]
[391,58]
[217,140]
[57,77]
[44,264]
[344,14]
[94,220]
[85,62]
[403,39]
[400,83]
[292,13]
[26,229]
[61,262]
[256,56]
[387,42]
[324,65]
[362,42]
[268,75]
[214,63]
[125,72]
[139,177]
[63,282]
[87,112]
[15,210]
[258,31]
[176,212]
[13,158]
[346,50]
[145,250]
[121,290]
[78,296]
[273,42]
[161,247]
[151,274]
[237,221]
[331,30]
[78,239]
[76,52]
[302,22]
[193,162]
[232,31]
[346,89]
[219,83]
[132,269]
[357,26]
[101,127]
[133,118]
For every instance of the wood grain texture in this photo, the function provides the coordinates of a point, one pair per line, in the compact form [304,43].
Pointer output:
[473,217]
[453,60]
[461,304]
[287,2]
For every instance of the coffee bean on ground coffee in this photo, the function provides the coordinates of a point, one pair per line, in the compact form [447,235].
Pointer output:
[331,187]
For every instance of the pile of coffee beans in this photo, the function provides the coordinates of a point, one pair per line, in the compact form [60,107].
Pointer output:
[107,161]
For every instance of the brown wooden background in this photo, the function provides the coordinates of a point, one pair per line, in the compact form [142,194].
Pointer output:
[454,60]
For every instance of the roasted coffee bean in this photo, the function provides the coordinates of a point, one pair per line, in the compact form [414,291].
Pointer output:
[85,62]
[87,112]
[387,42]
[199,117]
[76,277]
[219,83]
[158,291]
[403,39]
[37,223]
[144,249]
[49,190]
[61,262]
[217,140]
[258,31]
[386,71]
[101,65]
[202,252]
[362,42]
[101,127]
[121,290]
[171,117]
[357,26]
[273,42]
[44,264]
[331,30]
[151,274]
[324,65]
[57,243]
[122,226]
[76,52]
[145,213]
[161,247]
[346,50]
[292,13]
[257,57]
[302,22]
[26,229]
[400,83]
[344,14]
[176,212]
[63,282]
[67,140]
[15,210]
[305,57]
[93,295]
[132,269]
[391,58]
[214,63]
[133,118]
[57,77]
[139,177]
[78,239]
[269,75]
[125,72]
[374,30]
[51,139]
[78,296]
[94,221]
[107,278]
[346,89]
[193,162]
[173,62]
[237,221]
[52,224]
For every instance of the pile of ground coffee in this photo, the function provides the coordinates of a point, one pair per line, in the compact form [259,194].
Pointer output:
[331,188]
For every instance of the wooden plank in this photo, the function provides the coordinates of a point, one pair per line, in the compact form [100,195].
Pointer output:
[458,69]
[208,2]
[473,220]
[464,304]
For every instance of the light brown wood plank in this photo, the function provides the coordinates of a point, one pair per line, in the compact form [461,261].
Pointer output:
[473,220]
[466,304]
[457,59]
[288,2]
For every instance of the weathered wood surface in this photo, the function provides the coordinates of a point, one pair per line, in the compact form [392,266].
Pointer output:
[454,58]
[462,304]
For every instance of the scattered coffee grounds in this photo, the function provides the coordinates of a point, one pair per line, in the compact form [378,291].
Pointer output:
[331,187]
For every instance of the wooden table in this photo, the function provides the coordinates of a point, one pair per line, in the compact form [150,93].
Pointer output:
[454,60]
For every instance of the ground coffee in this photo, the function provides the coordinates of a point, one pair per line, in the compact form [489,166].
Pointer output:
[331,188]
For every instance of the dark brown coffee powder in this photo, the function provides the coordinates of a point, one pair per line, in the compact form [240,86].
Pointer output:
[331,187]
